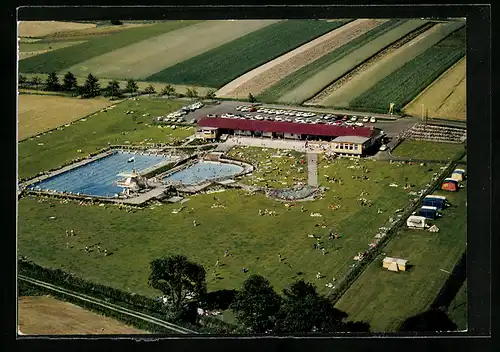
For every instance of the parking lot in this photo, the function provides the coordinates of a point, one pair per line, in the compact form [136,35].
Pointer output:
[232,109]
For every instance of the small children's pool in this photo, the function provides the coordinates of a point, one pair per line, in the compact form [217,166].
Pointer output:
[203,171]
[98,178]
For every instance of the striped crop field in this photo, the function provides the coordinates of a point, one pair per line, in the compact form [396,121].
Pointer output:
[64,58]
[146,57]
[445,98]
[43,28]
[272,72]
[221,65]
[408,81]
[387,64]
[346,58]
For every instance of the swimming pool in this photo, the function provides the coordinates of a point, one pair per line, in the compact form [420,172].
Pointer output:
[98,178]
[203,171]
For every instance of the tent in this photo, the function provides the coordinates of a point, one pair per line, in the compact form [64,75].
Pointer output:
[394,264]
[439,203]
[458,174]
[434,228]
[450,184]
[428,212]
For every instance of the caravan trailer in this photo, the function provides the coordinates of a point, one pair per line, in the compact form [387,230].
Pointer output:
[416,222]
[428,212]
[450,184]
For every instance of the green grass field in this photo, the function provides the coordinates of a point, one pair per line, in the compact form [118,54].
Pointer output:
[457,311]
[426,150]
[61,146]
[404,84]
[63,58]
[221,65]
[42,46]
[384,298]
[276,172]
[319,74]
[254,241]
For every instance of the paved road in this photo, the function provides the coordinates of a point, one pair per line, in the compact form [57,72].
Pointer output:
[152,320]
[312,169]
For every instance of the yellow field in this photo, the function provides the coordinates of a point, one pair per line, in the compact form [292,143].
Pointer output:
[42,28]
[445,98]
[39,113]
[86,33]
[44,315]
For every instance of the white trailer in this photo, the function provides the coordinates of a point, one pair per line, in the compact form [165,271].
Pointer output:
[417,222]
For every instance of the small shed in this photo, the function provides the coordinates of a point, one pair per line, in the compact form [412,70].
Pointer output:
[458,174]
[394,264]
[450,184]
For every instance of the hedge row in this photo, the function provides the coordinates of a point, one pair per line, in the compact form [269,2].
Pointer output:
[372,253]
[136,302]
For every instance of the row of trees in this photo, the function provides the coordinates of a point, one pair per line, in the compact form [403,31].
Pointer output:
[257,306]
[91,87]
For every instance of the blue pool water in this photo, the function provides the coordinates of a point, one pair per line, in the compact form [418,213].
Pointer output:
[98,178]
[203,171]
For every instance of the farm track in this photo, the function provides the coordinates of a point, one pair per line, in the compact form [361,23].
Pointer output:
[269,74]
[111,306]
[370,62]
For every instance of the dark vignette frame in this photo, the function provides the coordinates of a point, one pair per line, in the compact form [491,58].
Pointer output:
[479,145]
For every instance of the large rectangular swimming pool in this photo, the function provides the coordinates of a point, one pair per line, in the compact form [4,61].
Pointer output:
[98,178]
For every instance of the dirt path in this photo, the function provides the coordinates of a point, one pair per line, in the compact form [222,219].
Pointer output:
[270,73]
[384,54]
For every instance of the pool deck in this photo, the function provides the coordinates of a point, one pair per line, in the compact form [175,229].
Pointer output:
[142,197]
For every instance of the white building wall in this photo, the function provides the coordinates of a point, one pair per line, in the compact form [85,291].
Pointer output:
[291,135]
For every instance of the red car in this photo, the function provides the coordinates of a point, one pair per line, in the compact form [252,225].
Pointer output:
[344,118]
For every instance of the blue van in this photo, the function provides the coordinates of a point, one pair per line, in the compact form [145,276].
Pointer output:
[429,212]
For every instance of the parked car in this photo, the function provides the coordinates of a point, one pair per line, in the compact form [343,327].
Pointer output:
[373,119]
[354,118]
[359,124]
[383,147]
[366,119]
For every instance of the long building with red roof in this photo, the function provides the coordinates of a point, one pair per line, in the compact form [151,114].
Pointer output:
[350,139]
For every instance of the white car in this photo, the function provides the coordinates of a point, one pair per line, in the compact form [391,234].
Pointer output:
[373,119]
[180,119]
[354,118]
[239,107]
[359,124]
[260,110]
[383,147]
[366,119]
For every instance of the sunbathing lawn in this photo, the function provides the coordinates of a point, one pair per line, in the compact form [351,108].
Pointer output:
[96,132]
[135,238]
[380,297]
[275,168]
[425,150]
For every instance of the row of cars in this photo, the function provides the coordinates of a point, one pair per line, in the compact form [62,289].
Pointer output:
[300,116]
[177,115]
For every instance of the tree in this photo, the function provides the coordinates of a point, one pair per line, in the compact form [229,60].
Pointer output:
[257,304]
[304,310]
[131,87]
[211,94]
[251,98]
[36,81]
[69,81]
[52,82]
[91,87]
[113,88]
[150,90]
[176,276]
[21,79]
[191,93]
[116,22]
[168,90]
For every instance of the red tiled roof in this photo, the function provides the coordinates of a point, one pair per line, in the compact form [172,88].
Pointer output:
[285,127]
